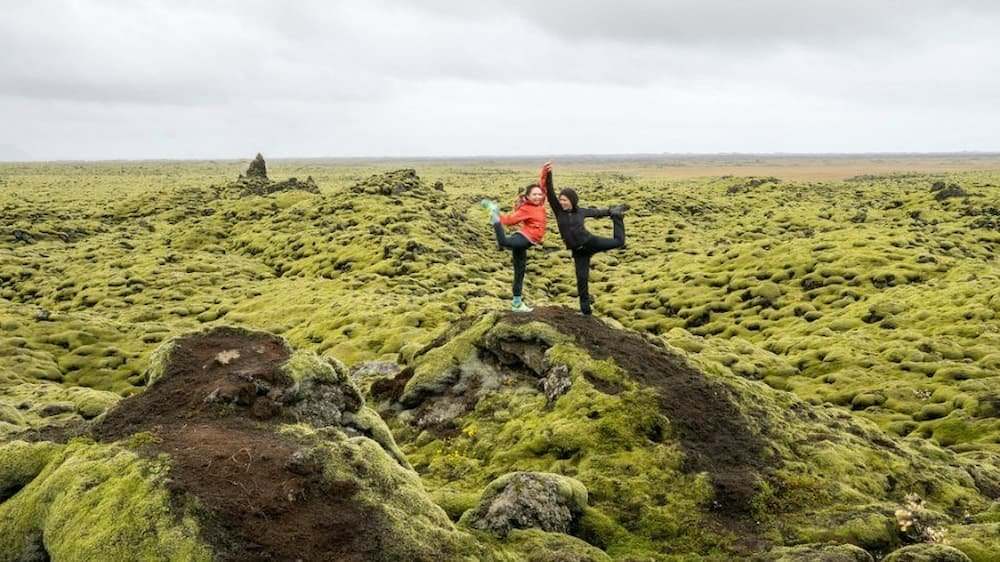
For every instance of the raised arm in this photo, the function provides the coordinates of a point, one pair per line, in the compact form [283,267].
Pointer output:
[550,191]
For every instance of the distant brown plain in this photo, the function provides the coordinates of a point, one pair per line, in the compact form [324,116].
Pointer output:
[792,167]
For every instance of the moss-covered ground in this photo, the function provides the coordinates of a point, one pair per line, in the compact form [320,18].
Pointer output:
[874,298]
[678,459]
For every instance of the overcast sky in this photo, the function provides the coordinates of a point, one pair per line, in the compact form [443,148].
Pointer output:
[92,79]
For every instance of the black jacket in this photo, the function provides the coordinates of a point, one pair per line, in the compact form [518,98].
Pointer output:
[571,228]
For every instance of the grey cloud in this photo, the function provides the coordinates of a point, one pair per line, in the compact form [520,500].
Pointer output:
[204,53]
[175,53]
[462,77]
[739,26]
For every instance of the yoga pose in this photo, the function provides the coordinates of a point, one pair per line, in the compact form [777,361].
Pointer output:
[529,213]
[583,244]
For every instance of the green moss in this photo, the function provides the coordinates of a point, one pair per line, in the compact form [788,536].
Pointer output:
[867,400]
[684,340]
[436,368]
[767,290]
[595,527]
[932,411]
[453,502]
[10,415]
[20,463]
[827,552]
[159,361]
[534,545]
[116,248]
[92,403]
[926,553]
[530,332]
[97,502]
[980,542]
[415,527]
[372,424]
[304,364]
[872,531]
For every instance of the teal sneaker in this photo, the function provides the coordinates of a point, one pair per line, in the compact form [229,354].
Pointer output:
[521,307]
[490,206]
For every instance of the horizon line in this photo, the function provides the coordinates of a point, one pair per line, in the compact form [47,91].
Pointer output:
[608,156]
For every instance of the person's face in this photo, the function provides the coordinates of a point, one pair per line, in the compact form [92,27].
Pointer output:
[535,196]
[565,203]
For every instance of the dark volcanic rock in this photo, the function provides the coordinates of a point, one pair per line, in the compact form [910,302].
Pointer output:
[256,182]
[257,168]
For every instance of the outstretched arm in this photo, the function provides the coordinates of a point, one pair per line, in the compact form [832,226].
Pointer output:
[517,216]
[591,212]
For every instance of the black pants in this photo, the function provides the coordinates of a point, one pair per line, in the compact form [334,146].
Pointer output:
[518,245]
[581,259]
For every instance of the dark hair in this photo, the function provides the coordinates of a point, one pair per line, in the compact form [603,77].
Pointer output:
[523,193]
[570,194]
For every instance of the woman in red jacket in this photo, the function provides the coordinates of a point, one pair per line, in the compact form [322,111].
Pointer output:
[529,212]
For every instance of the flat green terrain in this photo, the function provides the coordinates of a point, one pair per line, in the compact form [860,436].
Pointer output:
[868,287]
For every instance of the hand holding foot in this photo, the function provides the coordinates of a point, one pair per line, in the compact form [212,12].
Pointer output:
[618,210]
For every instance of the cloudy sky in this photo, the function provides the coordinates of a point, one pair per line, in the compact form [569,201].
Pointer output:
[102,79]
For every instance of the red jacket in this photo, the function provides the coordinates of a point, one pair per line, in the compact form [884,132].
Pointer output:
[532,218]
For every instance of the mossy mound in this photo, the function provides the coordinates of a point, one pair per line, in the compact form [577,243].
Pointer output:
[678,455]
[818,553]
[239,449]
[927,553]
[397,182]
[87,501]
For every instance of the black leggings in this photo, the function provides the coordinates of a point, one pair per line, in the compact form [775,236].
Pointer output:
[581,259]
[518,245]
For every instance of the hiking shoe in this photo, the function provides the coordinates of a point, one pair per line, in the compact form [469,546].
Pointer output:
[618,210]
[521,307]
[490,206]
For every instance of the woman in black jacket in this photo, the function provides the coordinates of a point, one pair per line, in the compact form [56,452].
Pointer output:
[583,244]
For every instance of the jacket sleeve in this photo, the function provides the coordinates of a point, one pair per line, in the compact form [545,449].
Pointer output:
[517,216]
[550,194]
[591,212]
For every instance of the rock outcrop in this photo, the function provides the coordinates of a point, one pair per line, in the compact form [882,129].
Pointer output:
[256,182]
[523,500]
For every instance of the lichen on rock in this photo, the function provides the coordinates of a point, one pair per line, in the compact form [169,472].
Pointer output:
[522,500]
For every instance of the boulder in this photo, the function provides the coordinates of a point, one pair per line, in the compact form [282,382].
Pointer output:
[523,500]
[556,383]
